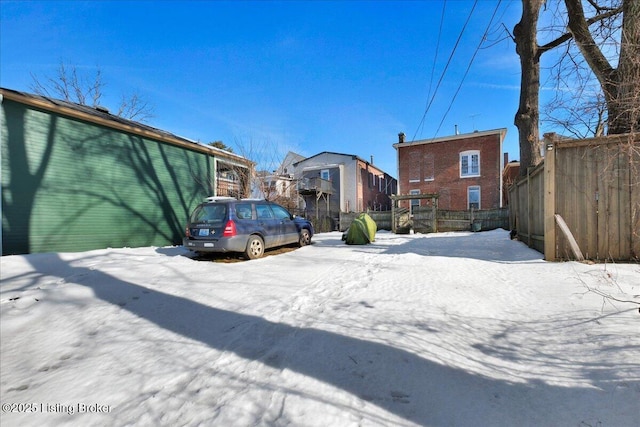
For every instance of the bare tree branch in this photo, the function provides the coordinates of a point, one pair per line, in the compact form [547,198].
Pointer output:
[72,86]
[568,36]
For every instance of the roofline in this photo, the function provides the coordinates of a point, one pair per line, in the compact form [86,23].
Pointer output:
[501,131]
[326,152]
[123,125]
[353,157]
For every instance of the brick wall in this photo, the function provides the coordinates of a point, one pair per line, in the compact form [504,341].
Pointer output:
[375,192]
[434,167]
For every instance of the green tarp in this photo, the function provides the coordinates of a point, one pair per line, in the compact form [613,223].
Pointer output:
[361,231]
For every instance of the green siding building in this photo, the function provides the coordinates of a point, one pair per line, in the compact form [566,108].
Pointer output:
[77,178]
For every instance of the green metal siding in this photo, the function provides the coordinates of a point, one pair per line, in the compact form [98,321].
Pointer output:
[69,185]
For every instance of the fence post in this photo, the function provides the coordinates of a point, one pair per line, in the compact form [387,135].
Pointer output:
[549,198]
[434,204]
[393,215]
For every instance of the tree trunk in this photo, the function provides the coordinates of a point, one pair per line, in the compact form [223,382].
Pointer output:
[621,86]
[628,118]
[527,117]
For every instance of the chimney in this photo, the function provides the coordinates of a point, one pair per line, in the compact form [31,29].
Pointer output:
[506,158]
[401,137]
[372,159]
[456,128]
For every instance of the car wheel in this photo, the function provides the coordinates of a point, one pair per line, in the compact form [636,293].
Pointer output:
[255,248]
[305,237]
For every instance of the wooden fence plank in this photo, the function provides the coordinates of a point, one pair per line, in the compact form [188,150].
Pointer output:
[572,241]
[595,189]
[549,203]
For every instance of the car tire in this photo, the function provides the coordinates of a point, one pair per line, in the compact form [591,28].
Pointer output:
[255,247]
[305,238]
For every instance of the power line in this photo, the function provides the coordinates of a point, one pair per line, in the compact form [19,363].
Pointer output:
[469,66]
[433,66]
[445,68]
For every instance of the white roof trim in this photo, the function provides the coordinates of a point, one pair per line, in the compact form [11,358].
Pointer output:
[502,132]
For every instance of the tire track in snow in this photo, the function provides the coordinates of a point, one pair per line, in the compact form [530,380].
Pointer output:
[268,348]
[332,290]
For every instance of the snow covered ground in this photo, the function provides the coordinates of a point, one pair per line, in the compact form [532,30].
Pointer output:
[449,329]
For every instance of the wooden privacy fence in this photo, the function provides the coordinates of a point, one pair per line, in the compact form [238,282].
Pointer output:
[422,220]
[382,219]
[583,201]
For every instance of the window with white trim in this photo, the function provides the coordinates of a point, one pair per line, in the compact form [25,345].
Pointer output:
[473,197]
[414,202]
[470,163]
[324,174]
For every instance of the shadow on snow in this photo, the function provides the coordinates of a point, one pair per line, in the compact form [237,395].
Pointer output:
[412,387]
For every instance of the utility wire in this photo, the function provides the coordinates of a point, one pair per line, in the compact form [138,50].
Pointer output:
[484,36]
[433,68]
[445,68]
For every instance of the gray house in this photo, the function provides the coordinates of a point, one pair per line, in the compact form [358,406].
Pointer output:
[331,183]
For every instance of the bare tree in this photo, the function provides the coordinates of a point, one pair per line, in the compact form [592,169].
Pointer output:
[70,85]
[619,87]
[135,107]
[268,181]
[581,113]
[528,117]
[578,107]
[620,84]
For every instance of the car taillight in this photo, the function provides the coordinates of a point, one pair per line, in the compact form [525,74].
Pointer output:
[187,233]
[229,229]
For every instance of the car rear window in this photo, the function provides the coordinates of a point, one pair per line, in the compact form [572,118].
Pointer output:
[209,213]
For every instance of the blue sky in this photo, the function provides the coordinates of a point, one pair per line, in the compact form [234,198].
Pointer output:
[302,76]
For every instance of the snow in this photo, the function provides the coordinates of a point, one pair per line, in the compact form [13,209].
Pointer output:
[446,329]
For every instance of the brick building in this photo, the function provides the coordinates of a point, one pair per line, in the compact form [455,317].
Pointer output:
[465,170]
[510,174]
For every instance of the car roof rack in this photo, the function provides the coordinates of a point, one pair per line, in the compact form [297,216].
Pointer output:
[218,198]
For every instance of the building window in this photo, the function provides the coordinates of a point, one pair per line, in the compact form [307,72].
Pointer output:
[324,174]
[473,197]
[470,163]
[228,175]
[414,202]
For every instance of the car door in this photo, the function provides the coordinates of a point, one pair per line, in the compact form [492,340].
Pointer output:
[269,224]
[288,229]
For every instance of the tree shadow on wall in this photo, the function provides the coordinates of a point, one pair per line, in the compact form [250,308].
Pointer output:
[24,181]
[152,204]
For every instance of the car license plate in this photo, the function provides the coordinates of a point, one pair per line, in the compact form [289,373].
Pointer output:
[208,245]
[203,232]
